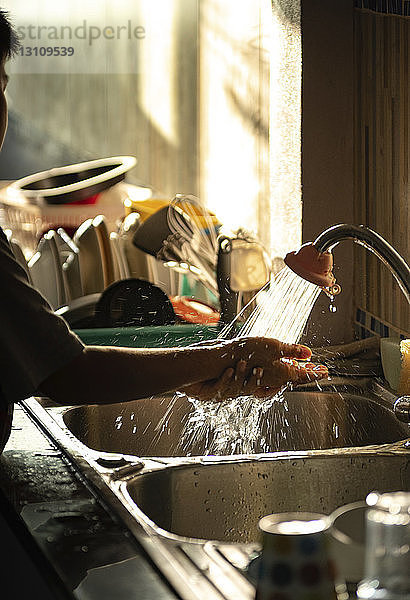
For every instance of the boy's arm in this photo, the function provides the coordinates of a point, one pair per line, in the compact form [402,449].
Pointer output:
[102,375]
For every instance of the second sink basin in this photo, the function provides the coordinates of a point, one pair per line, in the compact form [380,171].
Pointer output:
[224,501]
[302,420]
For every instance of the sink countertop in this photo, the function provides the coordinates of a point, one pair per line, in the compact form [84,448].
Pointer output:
[92,554]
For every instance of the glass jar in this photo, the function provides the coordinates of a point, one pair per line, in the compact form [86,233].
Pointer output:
[387,562]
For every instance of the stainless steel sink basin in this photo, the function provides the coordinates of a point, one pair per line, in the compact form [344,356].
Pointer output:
[304,420]
[333,447]
[225,501]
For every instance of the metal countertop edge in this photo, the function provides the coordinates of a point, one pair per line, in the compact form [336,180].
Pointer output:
[188,582]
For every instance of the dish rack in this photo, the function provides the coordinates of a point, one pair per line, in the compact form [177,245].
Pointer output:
[28,220]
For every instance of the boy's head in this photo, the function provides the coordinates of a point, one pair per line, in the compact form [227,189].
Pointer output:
[8,37]
[8,47]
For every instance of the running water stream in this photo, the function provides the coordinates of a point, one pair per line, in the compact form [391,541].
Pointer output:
[233,426]
[283,308]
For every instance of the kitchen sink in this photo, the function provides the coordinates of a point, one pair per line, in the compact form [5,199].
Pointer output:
[225,500]
[299,420]
[326,448]
[315,450]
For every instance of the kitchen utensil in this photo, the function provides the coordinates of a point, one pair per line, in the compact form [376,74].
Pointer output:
[74,182]
[202,223]
[145,207]
[133,302]
[90,258]
[155,236]
[18,252]
[190,220]
[46,272]
[137,261]
[348,540]
[192,310]
[295,559]
[69,257]
[242,267]
[387,563]
[120,265]
[103,237]
[80,312]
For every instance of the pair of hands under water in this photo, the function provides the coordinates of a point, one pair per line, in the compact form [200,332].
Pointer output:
[263,366]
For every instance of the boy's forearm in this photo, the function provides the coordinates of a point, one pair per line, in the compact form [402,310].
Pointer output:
[102,375]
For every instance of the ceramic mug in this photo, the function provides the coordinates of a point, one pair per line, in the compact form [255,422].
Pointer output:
[311,555]
[348,533]
[296,561]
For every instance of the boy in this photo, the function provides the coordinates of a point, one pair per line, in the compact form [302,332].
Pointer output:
[40,355]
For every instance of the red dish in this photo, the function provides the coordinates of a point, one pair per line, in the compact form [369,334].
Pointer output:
[192,310]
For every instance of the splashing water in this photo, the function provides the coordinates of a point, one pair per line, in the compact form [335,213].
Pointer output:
[233,426]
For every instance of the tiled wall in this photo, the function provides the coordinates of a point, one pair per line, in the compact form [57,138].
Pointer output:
[367,325]
[381,155]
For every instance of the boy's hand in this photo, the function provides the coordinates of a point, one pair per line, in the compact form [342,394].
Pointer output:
[265,365]
[232,383]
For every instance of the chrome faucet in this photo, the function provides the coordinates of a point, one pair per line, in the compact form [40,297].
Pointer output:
[314,260]
[402,409]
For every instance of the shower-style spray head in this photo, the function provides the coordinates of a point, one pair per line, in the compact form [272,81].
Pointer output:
[314,266]
[313,261]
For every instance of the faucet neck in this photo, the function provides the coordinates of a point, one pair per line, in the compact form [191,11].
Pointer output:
[372,241]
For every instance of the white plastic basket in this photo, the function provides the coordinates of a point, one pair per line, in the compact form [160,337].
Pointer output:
[28,221]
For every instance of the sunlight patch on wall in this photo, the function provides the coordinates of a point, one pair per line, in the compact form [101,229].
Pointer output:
[250,117]
[159,76]
[285,127]
[234,68]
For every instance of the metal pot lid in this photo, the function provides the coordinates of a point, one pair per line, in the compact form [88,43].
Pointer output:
[73,182]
